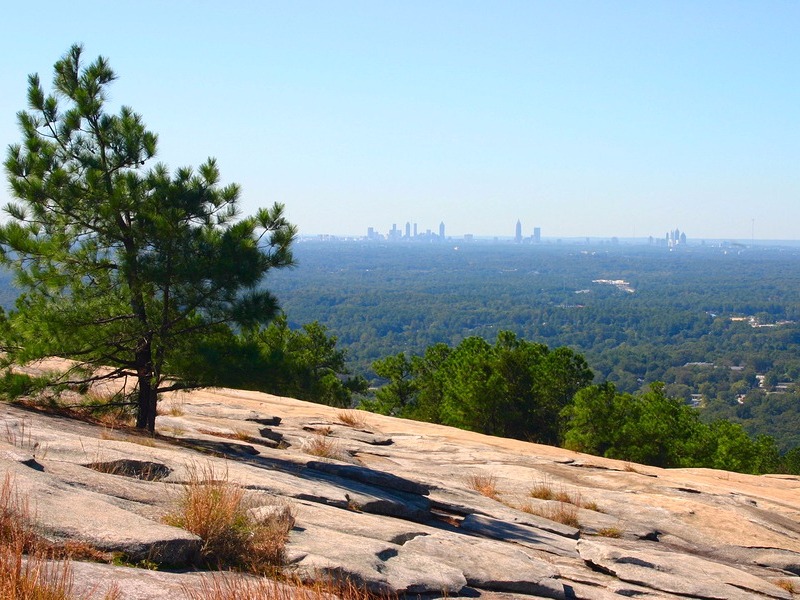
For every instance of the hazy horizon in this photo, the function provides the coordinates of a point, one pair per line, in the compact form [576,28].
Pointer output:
[594,119]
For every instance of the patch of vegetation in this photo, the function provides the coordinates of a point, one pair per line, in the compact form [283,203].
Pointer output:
[352,418]
[218,587]
[560,512]
[216,510]
[485,485]
[323,447]
[26,568]
[610,532]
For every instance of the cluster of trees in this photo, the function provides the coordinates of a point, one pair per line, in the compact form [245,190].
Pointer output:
[302,363]
[655,429]
[524,390]
[513,388]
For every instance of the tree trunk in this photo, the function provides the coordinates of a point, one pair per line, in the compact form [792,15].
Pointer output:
[148,397]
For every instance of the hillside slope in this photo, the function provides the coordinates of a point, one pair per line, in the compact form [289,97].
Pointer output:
[394,505]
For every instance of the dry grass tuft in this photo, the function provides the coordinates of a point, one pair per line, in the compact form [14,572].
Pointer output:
[560,512]
[352,418]
[324,447]
[485,485]
[215,509]
[174,407]
[786,584]
[610,532]
[240,435]
[542,490]
[19,434]
[236,587]
[25,569]
[591,505]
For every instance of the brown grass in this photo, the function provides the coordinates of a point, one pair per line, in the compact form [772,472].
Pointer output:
[786,584]
[20,436]
[240,435]
[216,510]
[560,512]
[542,490]
[324,447]
[25,569]
[610,532]
[352,418]
[174,407]
[237,587]
[485,485]
[591,505]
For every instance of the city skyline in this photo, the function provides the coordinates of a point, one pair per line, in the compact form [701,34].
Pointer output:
[591,119]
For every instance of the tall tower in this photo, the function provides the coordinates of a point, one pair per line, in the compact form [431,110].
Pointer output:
[537,235]
[441,230]
[518,233]
[408,229]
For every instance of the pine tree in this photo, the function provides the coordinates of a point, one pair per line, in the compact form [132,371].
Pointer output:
[121,265]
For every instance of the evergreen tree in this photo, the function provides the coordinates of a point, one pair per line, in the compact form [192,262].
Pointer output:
[120,265]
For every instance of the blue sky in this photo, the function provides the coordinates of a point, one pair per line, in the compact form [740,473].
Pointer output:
[583,118]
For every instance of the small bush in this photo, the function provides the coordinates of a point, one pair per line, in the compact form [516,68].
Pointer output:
[486,485]
[214,509]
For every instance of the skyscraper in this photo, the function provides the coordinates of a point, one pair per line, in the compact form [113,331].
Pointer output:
[441,230]
[518,233]
[537,235]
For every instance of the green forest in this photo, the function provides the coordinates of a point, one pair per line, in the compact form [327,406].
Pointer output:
[718,324]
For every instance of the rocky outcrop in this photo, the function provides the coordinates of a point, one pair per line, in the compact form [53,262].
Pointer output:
[394,505]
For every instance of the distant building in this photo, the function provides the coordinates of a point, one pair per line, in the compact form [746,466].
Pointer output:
[415,230]
[441,230]
[537,235]
[518,233]
[408,229]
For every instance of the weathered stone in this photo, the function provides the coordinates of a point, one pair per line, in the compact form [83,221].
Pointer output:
[674,573]
[317,551]
[63,513]
[371,477]
[490,565]
[395,531]
[519,533]
[376,522]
